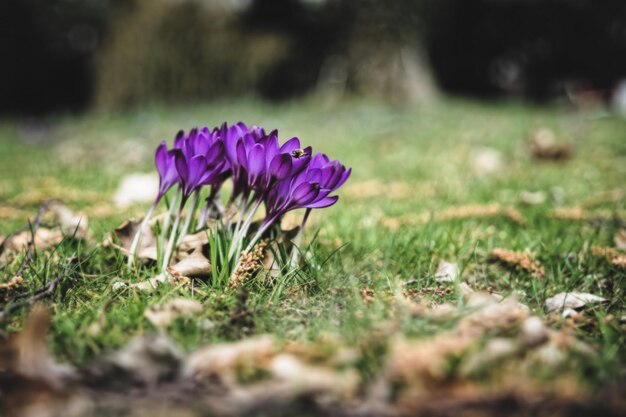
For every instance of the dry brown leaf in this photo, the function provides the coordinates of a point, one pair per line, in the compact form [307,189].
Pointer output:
[524,260]
[34,359]
[163,315]
[572,300]
[71,224]
[194,265]
[544,145]
[152,283]
[44,239]
[495,350]
[147,360]
[193,242]
[534,332]
[302,378]
[33,383]
[424,365]
[223,360]
[122,238]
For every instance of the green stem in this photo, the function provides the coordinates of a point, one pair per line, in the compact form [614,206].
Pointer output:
[172,240]
[168,218]
[137,239]
[256,237]
[192,209]
[240,234]
[295,251]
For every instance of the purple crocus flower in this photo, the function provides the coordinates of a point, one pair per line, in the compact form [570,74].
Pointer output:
[232,136]
[199,169]
[265,163]
[164,160]
[309,189]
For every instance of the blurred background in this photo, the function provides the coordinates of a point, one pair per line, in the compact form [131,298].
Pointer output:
[89,55]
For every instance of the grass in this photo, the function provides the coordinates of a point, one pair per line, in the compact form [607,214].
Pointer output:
[411,160]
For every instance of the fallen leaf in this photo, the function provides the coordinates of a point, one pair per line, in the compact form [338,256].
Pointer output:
[136,189]
[195,265]
[146,360]
[534,332]
[572,300]
[152,283]
[193,242]
[75,225]
[304,378]
[523,260]
[163,315]
[34,359]
[44,239]
[222,360]
[122,238]
[447,272]
[495,350]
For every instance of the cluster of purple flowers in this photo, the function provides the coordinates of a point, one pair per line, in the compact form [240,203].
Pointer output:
[263,172]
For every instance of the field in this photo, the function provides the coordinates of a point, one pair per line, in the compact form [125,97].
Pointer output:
[450,235]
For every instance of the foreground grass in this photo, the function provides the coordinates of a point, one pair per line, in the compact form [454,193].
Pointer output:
[406,162]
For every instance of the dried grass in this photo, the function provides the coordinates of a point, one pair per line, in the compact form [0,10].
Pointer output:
[250,262]
[523,260]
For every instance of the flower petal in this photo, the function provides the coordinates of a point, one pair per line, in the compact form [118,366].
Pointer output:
[181,165]
[305,193]
[290,146]
[256,163]
[280,167]
[160,159]
[324,202]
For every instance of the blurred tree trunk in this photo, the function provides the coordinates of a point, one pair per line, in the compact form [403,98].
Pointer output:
[383,51]
[182,50]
